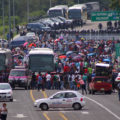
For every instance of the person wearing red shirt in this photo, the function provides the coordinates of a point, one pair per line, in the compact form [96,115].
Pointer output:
[66,68]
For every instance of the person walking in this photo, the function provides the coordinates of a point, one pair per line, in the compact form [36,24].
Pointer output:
[40,82]
[82,83]
[48,81]
[4,112]
[118,90]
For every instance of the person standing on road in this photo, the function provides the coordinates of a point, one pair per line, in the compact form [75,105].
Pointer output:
[82,83]
[48,81]
[40,82]
[118,90]
[4,112]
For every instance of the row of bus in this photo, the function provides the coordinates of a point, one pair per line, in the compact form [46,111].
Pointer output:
[75,12]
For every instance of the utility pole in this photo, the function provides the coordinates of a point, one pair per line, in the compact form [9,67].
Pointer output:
[78,1]
[50,3]
[14,15]
[3,18]
[9,20]
[28,11]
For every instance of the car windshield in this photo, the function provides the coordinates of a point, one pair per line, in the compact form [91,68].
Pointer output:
[101,79]
[4,86]
[17,73]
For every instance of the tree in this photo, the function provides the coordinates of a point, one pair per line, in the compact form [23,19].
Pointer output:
[115,4]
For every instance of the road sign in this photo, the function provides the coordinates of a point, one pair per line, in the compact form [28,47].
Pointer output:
[117,49]
[105,16]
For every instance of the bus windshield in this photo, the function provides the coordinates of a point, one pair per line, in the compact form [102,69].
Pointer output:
[2,61]
[103,71]
[41,63]
[17,73]
[54,13]
[74,14]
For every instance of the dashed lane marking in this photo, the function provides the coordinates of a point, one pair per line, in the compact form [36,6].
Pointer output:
[46,116]
[62,115]
[33,99]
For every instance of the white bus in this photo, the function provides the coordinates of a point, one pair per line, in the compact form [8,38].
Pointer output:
[78,12]
[6,64]
[6,61]
[41,60]
[59,10]
[92,7]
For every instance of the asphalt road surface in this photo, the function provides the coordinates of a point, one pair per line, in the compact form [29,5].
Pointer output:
[98,107]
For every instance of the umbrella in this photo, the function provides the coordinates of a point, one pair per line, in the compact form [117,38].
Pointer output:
[81,54]
[70,43]
[69,52]
[106,60]
[62,57]
[91,54]
[32,44]
[78,42]
[17,48]
[77,58]
[25,44]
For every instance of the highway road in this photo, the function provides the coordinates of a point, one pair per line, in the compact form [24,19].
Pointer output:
[98,107]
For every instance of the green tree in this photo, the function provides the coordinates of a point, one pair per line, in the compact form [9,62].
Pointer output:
[115,4]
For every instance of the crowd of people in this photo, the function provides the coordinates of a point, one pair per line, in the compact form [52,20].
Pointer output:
[75,59]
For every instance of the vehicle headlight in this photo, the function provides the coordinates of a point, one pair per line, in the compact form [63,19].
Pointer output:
[35,104]
[9,93]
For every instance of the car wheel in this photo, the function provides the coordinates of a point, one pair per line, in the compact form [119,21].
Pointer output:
[44,106]
[77,106]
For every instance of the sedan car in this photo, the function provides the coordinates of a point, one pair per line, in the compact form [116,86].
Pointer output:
[6,92]
[62,99]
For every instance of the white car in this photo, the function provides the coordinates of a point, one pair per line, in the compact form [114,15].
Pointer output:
[62,99]
[6,92]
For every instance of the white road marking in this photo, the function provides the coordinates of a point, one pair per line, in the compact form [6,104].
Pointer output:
[14,100]
[20,116]
[85,112]
[105,108]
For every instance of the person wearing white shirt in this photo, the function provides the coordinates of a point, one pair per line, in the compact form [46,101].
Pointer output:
[48,81]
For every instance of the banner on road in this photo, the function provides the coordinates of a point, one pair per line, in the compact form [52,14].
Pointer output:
[105,16]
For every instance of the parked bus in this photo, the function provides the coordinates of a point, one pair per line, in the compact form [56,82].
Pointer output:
[78,12]
[59,10]
[6,63]
[92,7]
[41,60]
